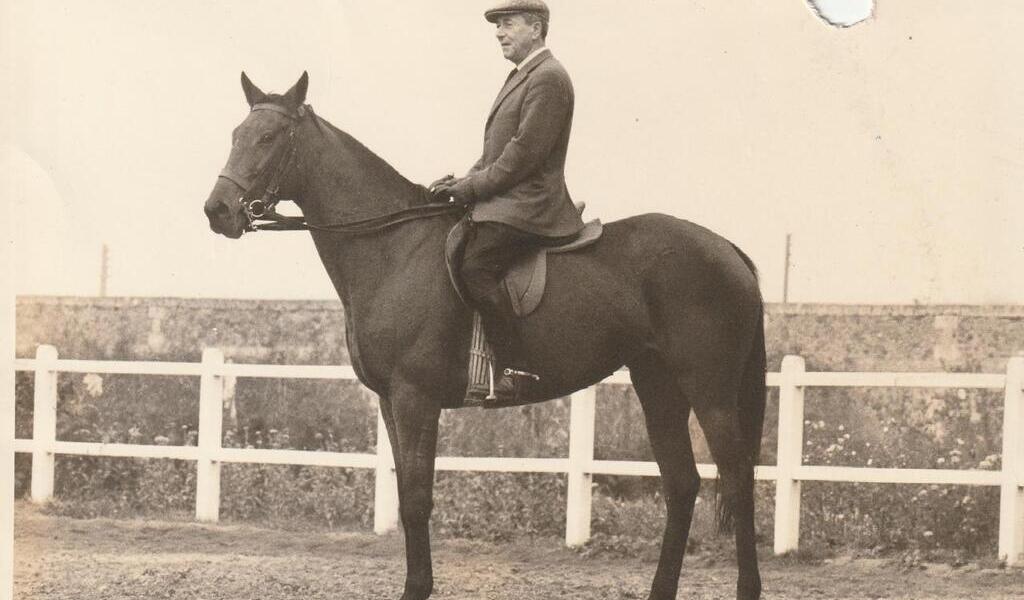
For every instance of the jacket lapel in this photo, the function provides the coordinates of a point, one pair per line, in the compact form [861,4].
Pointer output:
[517,79]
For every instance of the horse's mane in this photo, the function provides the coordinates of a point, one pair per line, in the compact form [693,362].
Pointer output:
[320,122]
[277,99]
[330,131]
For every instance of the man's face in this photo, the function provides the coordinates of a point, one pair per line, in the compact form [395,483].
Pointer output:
[516,36]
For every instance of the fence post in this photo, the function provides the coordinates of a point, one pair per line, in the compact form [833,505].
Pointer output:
[581,457]
[790,455]
[1011,497]
[44,423]
[385,484]
[211,415]
[7,411]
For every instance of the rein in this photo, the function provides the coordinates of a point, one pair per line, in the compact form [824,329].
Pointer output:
[261,212]
[278,222]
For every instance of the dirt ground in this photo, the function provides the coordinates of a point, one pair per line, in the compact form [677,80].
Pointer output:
[102,558]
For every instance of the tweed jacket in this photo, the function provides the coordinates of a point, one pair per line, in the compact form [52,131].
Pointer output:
[520,178]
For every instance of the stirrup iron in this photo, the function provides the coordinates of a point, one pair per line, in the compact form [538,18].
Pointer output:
[515,373]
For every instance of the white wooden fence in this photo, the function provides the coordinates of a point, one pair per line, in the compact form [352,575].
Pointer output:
[579,466]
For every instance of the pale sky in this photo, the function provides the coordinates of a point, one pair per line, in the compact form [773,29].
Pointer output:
[893,151]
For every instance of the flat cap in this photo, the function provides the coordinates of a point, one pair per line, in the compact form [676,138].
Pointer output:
[511,7]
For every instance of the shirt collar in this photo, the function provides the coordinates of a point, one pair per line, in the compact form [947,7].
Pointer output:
[530,57]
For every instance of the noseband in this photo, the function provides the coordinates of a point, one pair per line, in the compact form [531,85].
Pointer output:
[260,212]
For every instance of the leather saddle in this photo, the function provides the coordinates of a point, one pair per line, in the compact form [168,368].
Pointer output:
[526,279]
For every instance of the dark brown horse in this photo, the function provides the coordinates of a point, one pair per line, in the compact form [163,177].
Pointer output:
[676,303]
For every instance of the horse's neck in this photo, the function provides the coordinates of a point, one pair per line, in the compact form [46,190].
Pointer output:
[390,281]
[344,181]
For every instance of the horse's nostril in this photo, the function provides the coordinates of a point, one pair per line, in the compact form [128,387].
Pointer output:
[215,209]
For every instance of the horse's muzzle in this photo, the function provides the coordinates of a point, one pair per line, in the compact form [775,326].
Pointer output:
[226,218]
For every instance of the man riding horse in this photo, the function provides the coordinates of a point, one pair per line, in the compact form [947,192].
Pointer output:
[676,303]
[517,187]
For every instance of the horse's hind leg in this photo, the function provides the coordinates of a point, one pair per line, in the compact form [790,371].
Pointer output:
[667,414]
[719,420]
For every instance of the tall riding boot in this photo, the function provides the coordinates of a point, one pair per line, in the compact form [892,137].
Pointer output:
[511,380]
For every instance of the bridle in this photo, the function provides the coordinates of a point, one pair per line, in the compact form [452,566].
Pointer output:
[269,174]
[261,214]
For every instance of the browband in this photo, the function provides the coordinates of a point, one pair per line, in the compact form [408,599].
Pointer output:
[280,109]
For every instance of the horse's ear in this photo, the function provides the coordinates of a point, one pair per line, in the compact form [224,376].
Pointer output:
[297,95]
[253,94]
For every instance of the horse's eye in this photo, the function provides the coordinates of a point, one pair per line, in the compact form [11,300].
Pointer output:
[267,137]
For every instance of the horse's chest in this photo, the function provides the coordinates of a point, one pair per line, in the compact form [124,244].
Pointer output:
[373,341]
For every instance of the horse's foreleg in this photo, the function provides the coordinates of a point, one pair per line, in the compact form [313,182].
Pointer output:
[411,419]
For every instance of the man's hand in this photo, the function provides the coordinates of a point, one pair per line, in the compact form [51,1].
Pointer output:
[440,182]
[453,190]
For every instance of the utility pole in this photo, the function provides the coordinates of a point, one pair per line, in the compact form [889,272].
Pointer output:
[104,270]
[785,274]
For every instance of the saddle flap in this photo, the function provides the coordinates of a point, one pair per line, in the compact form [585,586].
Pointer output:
[454,248]
[526,279]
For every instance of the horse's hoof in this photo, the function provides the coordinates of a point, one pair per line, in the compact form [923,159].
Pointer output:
[419,592]
[662,594]
[748,592]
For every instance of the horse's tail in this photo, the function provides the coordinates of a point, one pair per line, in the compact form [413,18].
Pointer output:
[753,389]
[754,395]
[750,404]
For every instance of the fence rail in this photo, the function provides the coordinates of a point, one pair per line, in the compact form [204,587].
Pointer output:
[580,465]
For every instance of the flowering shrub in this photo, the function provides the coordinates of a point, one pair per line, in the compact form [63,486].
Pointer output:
[944,429]
[499,506]
[319,496]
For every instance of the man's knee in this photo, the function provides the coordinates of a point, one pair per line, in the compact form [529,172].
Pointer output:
[482,265]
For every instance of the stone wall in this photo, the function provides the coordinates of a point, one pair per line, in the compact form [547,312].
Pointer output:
[178,329]
[831,337]
[895,338]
